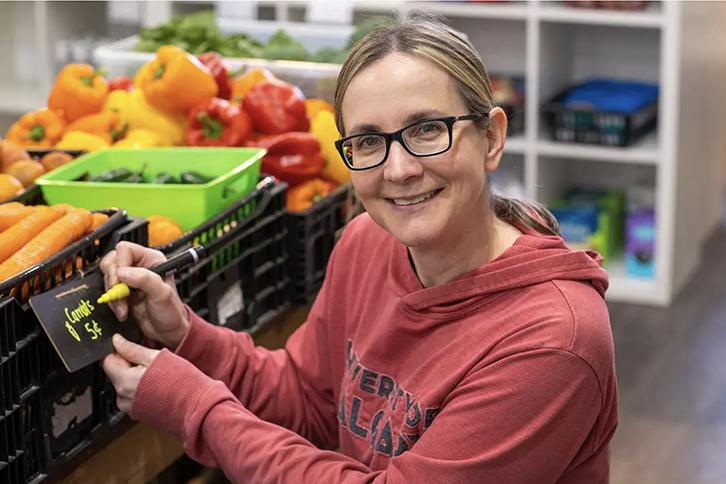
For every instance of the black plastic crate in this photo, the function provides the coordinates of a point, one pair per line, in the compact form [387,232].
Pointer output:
[21,456]
[241,284]
[311,237]
[597,127]
[70,414]
[31,371]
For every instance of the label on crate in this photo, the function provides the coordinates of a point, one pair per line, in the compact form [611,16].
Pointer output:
[231,303]
[79,328]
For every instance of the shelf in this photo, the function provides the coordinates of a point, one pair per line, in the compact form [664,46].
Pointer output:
[645,151]
[649,18]
[624,288]
[18,99]
[515,145]
[510,11]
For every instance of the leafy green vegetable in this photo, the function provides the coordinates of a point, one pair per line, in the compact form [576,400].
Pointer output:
[198,33]
[282,46]
[331,56]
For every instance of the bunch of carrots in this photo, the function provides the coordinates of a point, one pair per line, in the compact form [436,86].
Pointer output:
[31,234]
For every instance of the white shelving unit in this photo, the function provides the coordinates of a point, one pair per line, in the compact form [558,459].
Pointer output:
[554,45]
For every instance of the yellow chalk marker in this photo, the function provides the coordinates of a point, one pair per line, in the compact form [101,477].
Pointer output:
[117,291]
[183,259]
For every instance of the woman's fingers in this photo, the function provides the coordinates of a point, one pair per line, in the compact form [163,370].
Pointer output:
[115,368]
[133,353]
[109,266]
[151,284]
[129,254]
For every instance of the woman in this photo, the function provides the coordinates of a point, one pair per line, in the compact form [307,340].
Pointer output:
[455,339]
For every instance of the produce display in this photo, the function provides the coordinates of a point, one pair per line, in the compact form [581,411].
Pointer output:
[181,144]
[19,169]
[31,234]
[179,99]
[163,230]
[198,33]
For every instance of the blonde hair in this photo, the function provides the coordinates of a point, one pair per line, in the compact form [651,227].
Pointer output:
[425,37]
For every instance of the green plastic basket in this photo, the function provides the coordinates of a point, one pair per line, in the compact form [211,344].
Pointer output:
[235,172]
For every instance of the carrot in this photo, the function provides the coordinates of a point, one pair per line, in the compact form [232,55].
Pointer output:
[64,206]
[14,238]
[12,213]
[51,240]
[98,220]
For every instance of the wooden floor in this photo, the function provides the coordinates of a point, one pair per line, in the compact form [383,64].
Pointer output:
[672,383]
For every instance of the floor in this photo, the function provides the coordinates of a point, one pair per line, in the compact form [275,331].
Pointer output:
[672,383]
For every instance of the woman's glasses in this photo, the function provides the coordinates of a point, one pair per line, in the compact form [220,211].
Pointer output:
[428,137]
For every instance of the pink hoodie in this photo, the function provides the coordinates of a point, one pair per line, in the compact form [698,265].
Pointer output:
[503,375]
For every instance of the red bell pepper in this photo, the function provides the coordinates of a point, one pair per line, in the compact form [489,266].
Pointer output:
[220,70]
[276,107]
[217,122]
[291,157]
[121,83]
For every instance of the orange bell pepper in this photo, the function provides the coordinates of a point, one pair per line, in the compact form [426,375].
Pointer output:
[40,128]
[106,124]
[244,84]
[175,81]
[303,196]
[79,90]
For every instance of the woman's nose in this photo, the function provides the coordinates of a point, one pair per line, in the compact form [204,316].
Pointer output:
[401,165]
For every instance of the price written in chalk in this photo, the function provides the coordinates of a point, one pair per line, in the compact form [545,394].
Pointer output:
[79,328]
[81,314]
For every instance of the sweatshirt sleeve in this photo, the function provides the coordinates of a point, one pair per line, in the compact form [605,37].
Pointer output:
[522,419]
[290,387]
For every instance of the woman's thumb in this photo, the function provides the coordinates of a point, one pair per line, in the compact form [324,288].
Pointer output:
[131,352]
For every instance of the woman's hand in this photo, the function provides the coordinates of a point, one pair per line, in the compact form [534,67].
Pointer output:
[155,304]
[125,369]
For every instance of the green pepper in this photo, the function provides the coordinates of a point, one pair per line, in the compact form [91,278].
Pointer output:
[133,178]
[193,178]
[114,175]
[164,178]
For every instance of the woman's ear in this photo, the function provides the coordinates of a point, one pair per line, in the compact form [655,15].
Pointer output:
[496,135]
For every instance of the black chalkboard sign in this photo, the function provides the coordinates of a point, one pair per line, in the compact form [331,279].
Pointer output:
[79,328]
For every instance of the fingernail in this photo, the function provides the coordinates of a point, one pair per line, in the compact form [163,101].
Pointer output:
[117,339]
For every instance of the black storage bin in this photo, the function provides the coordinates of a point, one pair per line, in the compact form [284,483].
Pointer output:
[311,237]
[597,127]
[55,424]
[242,284]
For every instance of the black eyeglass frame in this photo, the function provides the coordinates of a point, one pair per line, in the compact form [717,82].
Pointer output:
[398,136]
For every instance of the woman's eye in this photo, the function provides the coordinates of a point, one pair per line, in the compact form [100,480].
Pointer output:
[428,129]
[368,142]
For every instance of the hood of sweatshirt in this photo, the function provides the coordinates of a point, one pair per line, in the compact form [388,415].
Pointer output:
[532,259]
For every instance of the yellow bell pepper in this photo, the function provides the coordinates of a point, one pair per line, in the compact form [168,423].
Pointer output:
[175,81]
[313,106]
[244,84]
[322,126]
[137,113]
[140,138]
[79,140]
